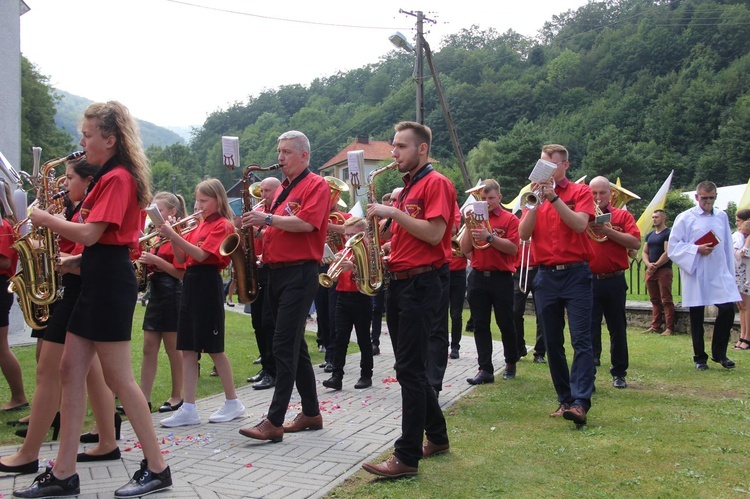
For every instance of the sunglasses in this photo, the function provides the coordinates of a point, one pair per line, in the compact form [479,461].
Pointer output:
[707,198]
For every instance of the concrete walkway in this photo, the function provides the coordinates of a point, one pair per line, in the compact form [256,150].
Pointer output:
[215,461]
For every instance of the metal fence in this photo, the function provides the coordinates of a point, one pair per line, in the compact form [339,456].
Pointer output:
[637,282]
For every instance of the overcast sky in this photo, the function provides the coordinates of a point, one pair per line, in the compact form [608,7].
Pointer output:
[175,62]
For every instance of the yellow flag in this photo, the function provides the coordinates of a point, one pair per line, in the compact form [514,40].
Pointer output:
[745,201]
[660,199]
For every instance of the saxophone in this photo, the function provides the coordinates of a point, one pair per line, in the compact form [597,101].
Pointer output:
[241,247]
[37,284]
[368,257]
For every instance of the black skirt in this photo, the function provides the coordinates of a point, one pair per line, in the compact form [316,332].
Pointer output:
[201,322]
[57,326]
[163,308]
[6,301]
[104,310]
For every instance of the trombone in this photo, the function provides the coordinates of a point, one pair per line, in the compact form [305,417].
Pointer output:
[523,270]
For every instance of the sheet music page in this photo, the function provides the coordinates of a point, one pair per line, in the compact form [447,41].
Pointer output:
[230,150]
[543,171]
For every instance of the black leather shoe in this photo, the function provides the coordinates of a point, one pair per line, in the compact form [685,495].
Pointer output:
[48,485]
[726,363]
[481,377]
[88,458]
[323,365]
[334,383]
[21,469]
[363,383]
[167,407]
[267,382]
[701,366]
[539,359]
[145,482]
[375,350]
[328,368]
[510,372]
[619,382]
[454,353]
[257,377]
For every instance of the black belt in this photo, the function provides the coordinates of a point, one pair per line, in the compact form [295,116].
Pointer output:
[281,265]
[490,273]
[406,274]
[616,273]
[566,266]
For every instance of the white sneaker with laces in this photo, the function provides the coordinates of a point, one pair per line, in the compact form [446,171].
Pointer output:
[182,418]
[227,412]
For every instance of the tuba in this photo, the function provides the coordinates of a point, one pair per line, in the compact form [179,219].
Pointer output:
[475,222]
[337,186]
[368,257]
[456,240]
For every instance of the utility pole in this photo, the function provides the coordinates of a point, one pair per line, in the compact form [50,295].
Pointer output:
[419,62]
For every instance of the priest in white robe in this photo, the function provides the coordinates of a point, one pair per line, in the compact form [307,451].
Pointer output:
[707,272]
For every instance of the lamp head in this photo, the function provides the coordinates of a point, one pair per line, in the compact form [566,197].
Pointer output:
[400,41]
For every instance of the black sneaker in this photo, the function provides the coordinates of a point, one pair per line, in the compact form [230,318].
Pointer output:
[454,353]
[48,485]
[145,482]
[539,359]
[334,383]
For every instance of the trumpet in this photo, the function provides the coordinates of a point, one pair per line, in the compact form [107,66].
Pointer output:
[182,227]
[456,240]
[474,222]
[328,278]
[534,199]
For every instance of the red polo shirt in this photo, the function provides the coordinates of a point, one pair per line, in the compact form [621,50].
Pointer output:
[209,235]
[114,200]
[505,226]
[166,253]
[554,243]
[608,255]
[346,282]
[309,200]
[432,196]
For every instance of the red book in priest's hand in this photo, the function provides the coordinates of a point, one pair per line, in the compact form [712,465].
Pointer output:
[709,237]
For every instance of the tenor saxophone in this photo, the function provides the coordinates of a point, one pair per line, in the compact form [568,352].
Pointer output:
[368,257]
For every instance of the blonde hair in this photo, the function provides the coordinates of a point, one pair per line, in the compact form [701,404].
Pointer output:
[173,202]
[114,119]
[490,185]
[214,189]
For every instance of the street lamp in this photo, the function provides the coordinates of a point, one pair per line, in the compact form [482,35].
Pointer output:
[400,41]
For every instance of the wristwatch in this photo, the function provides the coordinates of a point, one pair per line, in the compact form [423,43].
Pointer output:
[490,238]
[268,220]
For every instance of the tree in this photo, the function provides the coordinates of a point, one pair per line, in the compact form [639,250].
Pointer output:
[38,127]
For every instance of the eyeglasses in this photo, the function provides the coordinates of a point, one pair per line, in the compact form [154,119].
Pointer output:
[707,198]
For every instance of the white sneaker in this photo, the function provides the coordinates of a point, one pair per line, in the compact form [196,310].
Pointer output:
[228,412]
[182,418]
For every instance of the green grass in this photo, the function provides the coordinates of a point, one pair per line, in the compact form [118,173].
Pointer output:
[240,347]
[674,432]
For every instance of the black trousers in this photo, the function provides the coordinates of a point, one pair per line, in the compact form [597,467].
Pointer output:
[609,302]
[325,309]
[378,308]
[411,307]
[490,291]
[262,320]
[722,330]
[457,296]
[519,308]
[438,359]
[291,291]
[353,310]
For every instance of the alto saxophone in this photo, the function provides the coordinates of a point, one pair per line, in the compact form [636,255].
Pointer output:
[37,284]
[368,257]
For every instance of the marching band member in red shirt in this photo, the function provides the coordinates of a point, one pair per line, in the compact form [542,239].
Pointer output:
[562,249]
[101,322]
[201,322]
[163,310]
[422,215]
[294,237]
[491,283]
[610,289]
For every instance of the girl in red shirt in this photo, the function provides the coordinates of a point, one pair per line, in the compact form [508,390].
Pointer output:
[162,313]
[101,321]
[201,324]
